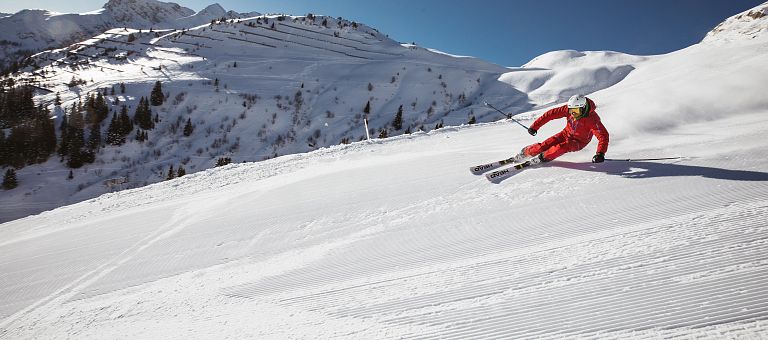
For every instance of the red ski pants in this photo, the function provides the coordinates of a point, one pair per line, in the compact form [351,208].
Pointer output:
[554,146]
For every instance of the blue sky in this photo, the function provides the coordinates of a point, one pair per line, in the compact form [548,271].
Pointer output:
[506,32]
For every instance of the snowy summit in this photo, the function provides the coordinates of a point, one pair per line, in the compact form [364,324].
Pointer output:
[40,29]
[390,238]
[751,24]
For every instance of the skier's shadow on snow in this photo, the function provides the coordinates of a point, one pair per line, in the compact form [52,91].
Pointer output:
[641,169]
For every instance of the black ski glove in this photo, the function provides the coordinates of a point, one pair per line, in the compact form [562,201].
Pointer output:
[599,158]
[532,131]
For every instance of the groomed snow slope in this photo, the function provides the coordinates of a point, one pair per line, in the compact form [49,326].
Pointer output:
[396,239]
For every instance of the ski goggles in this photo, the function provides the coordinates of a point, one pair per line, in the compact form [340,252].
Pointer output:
[574,111]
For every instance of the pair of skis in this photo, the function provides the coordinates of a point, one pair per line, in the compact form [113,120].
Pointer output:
[496,176]
[521,162]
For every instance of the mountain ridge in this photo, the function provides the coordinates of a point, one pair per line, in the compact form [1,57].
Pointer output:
[36,30]
[747,25]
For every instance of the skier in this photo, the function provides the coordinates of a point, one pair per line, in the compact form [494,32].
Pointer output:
[582,123]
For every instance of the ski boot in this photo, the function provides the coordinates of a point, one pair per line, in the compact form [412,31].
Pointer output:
[521,156]
[532,162]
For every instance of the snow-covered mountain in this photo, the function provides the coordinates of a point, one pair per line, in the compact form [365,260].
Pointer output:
[34,30]
[553,76]
[260,87]
[747,25]
[394,238]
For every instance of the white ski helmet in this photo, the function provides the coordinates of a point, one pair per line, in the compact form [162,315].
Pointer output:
[577,101]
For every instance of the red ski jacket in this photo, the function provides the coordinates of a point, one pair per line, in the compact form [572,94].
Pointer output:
[581,129]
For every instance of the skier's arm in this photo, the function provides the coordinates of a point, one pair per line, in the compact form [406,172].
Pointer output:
[602,136]
[558,112]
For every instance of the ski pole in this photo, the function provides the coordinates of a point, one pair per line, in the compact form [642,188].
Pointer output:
[640,159]
[509,116]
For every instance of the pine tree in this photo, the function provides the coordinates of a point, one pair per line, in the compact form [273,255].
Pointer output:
[9,180]
[157,98]
[32,136]
[100,109]
[3,149]
[124,122]
[188,128]
[122,88]
[64,141]
[397,123]
[90,117]
[472,120]
[383,133]
[94,138]
[181,172]
[76,141]
[113,132]
[143,115]
[171,173]
[16,144]
[47,131]
[367,108]
[119,127]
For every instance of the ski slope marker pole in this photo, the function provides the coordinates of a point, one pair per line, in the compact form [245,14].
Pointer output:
[508,116]
[367,135]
